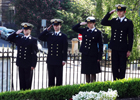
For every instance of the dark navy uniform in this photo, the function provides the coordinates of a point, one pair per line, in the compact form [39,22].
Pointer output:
[26,58]
[121,42]
[91,49]
[57,53]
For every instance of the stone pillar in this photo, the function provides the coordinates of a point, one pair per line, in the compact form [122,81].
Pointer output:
[74,49]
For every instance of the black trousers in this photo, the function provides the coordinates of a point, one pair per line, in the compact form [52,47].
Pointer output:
[55,71]
[118,64]
[25,78]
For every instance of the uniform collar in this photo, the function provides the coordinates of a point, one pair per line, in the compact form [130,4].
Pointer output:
[91,29]
[27,36]
[57,32]
[121,19]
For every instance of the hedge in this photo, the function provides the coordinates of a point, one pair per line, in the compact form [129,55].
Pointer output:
[125,87]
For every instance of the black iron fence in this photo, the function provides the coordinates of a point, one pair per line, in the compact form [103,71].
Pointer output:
[9,79]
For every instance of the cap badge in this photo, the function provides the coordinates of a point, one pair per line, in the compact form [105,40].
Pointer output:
[25,25]
[55,21]
[95,30]
[119,7]
[88,19]
[29,37]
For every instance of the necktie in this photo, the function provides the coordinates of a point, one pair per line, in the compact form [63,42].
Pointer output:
[25,38]
[119,19]
[55,34]
[90,31]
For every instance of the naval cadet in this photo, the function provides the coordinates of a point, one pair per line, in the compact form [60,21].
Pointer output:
[91,48]
[121,40]
[57,51]
[26,54]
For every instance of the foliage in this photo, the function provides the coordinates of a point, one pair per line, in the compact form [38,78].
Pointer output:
[126,88]
[79,10]
[34,10]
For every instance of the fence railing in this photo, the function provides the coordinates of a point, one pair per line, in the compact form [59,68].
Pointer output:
[9,78]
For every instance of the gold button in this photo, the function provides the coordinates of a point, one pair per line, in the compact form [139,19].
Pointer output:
[57,44]
[114,33]
[86,39]
[120,40]
[56,51]
[120,34]
[86,42]
[51,51]
[52,44]
[56,48]
[85,46]
[114,36]
[88,47]
[121,31]
[89,40]
[19,56]
[20,46]
[114,39]
[20,53]
[25,51]
[56,54]
[51,47]
[24,58]
[25,48]
[120,37]
[89,44]
[51,54]
[20,50]
[115,30]
[93,38]
[24,54]
[85,35]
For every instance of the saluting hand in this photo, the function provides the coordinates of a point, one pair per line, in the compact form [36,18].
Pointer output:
[49,27]
[128,54]
[19,31]
[111,12]
[83,23]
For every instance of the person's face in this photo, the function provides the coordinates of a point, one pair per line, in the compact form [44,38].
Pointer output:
[27,31]
[57,27]
[121,13]
[90,25]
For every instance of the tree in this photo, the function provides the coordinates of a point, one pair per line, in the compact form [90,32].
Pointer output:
[33,11]
[78,11]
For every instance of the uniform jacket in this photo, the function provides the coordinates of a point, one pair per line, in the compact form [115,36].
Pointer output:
[26,50]
[121,33]
[57,47]
[92,44]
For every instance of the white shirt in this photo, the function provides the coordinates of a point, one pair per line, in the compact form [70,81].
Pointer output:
[57,32]
[91,29]
[26,36]
[121,19]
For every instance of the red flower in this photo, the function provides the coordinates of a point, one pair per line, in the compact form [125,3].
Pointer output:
[70,99]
